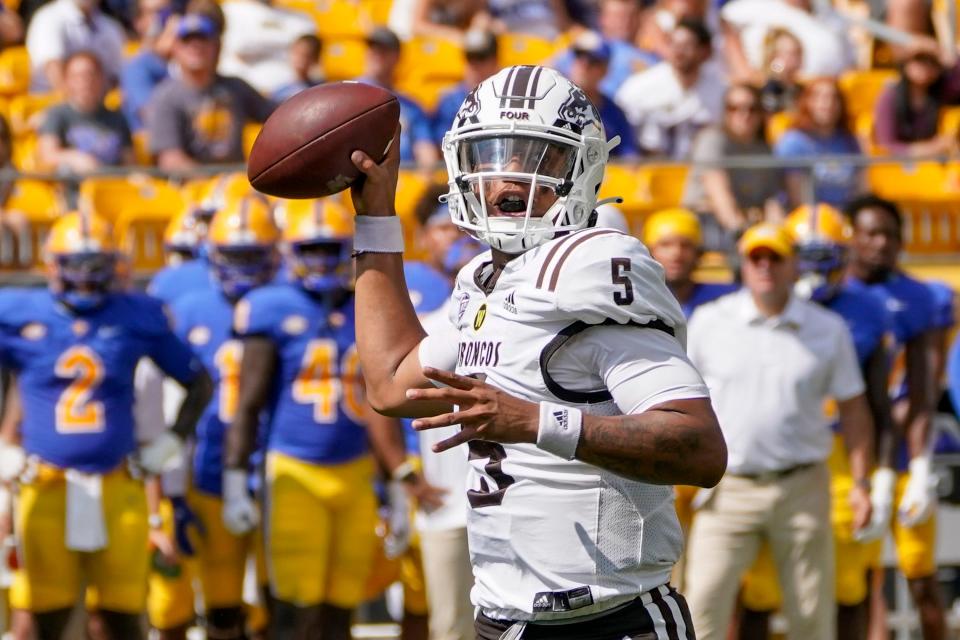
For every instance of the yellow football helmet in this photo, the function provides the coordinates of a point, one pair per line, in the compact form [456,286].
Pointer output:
[317,235]
[184,235]
[821,235]
[672,222]
[243,245]
[221,191]
[81,257]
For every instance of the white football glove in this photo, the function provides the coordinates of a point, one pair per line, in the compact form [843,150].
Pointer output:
[161,454]
[881,499]
[13,460]
[920,497]
[240,513]
[397,540]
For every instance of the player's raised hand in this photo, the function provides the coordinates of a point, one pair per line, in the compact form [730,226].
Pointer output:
[376,193]
[483,411]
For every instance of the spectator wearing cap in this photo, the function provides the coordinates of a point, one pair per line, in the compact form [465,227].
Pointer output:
[618,23]
[304,59]
[63,27]
[671,101]
[80,134]
[771,360]
[542,18]
[480,51]
[674,239]
[197,117]
[156,28]
[591,59]
[256,42]
[449,19]
[907,113]
[416,137]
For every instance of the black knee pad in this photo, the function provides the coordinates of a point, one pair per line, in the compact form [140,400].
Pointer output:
[226,623]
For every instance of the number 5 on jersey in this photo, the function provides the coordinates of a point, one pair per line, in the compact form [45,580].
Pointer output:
[321,384]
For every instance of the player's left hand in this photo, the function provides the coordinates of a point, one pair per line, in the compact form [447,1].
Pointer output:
[483,411]
[161,454]
[920,496]
[159,540]
[397,540]
[861,506]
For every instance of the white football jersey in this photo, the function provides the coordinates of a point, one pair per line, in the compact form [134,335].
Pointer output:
[552,538]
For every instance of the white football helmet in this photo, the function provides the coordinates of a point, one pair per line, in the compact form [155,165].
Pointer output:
[524,126]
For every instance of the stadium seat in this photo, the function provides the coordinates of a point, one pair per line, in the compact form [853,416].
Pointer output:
[519,48]
[113,196]
[250,132]
[910,181]
[427,67]
[931,226]
[340,18]
[14,71]
[40,204]
[141,148]
[113,99]
[26,111]
[139,231]
[862,88]
[25,151]
[667,183]
[343,58]
[777,125]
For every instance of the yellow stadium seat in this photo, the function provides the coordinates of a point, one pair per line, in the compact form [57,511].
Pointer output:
[113,99]
[379,10]
[141,148]
[250,132]
[112,196]
[863,130]
[627,182]
[862,88]
[667,183]
[25,152]
[931,226]
[519,48]
[428,66]
[343,58]
[909,181]
[139,231]
[26,111]
[39,204]
[14,71]
[777,125]
[339,18]
[949,121]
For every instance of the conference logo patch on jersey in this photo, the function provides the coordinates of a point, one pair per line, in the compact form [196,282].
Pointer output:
[295,325]
[199,336]
[336,319]
[241,317]
[80,328]
[480,317]
[33,331]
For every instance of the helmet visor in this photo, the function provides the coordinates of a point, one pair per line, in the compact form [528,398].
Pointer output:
[517,154]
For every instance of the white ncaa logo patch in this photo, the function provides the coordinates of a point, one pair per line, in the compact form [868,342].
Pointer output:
[294,325]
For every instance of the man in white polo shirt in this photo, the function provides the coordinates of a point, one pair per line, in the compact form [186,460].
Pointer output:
[770,361]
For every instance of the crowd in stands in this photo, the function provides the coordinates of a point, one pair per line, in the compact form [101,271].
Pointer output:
[179,83]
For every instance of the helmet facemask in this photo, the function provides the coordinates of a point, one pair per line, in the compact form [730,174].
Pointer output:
[321,265]
[83,280]
[240,269]
[821,267]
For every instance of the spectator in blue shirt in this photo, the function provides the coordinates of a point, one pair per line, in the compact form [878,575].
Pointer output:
[304,56]
[618,23]
[416,139]
[591,58]
[155,24]
[480,50]
[820,128]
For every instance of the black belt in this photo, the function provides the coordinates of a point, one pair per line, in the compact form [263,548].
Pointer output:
[770,476]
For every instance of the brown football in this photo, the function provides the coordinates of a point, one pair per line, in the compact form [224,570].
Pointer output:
[303,150]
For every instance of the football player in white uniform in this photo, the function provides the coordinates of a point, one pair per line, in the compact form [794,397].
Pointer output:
[564,366]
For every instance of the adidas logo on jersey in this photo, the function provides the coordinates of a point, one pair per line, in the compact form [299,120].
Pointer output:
[509,304]
[561,418]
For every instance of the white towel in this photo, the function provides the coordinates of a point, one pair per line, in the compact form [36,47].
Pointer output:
[86,527]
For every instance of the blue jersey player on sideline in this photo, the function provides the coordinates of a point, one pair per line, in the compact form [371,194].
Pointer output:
[187,269]
[674,239]
[300,365]
[876,245]
[82,512]
[822,236]
[242,255]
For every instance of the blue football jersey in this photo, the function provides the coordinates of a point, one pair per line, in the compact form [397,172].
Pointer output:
[867,319]
[704,292]
[909,302]
[172,282]
[76,372]
[943,296]
[204,321]
[317,402]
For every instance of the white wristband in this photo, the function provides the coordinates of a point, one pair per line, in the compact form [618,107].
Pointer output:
[560,427]
[378,234]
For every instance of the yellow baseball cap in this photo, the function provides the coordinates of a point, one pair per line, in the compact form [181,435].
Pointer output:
[767,236]
[672,222]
